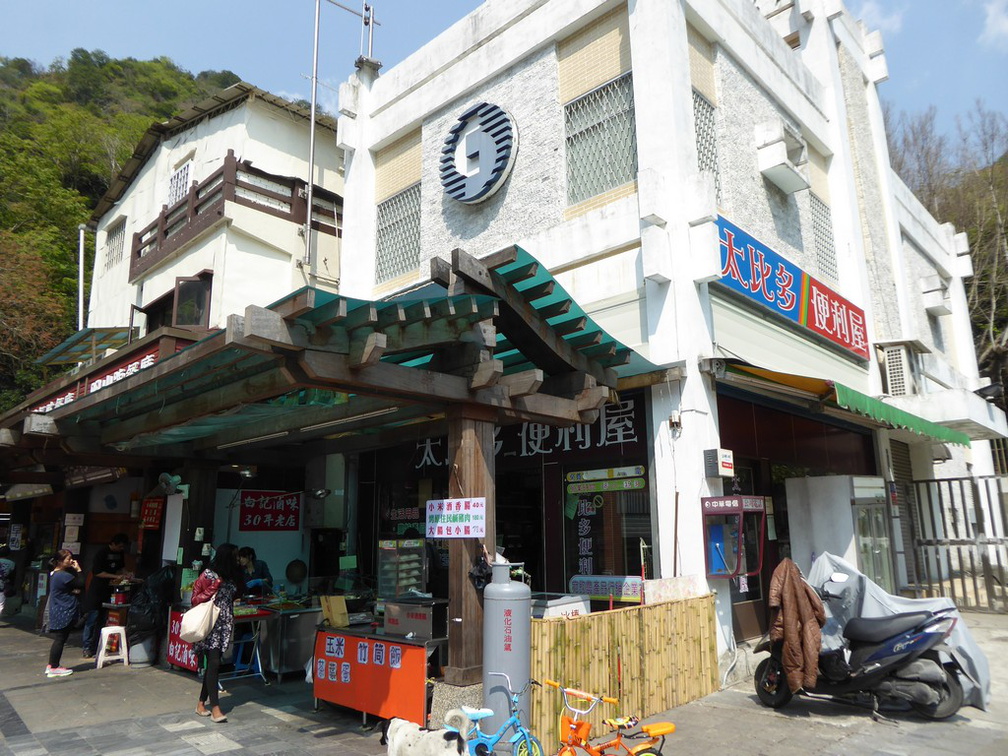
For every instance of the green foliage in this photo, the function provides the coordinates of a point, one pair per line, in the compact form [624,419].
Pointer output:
[65,132]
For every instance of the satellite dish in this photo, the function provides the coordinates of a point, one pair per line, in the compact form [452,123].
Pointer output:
[169,482]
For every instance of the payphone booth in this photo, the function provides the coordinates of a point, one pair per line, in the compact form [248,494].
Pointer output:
[734,535]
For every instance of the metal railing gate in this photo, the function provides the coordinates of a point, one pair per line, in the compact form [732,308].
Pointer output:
[960,540]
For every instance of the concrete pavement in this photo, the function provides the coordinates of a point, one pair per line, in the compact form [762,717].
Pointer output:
[119,711]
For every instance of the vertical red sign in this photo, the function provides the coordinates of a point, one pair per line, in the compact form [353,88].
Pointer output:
[150,513]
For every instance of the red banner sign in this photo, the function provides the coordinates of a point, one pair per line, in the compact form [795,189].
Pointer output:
[121,370]
[150,513]
[270,510]
[180,653]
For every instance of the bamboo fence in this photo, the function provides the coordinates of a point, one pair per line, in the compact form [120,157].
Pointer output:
[652,658]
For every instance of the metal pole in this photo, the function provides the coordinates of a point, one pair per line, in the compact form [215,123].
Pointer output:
[311,139]
[369,23]
[80,277]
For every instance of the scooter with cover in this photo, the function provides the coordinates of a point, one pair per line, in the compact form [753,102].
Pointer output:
[895,661]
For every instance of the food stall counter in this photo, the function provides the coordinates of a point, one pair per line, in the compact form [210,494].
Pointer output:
[251,622]
[374,672]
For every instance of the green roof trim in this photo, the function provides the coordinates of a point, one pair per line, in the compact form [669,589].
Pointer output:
[857,402]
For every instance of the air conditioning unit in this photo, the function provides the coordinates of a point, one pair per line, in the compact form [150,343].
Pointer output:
[782,156]
[898,371]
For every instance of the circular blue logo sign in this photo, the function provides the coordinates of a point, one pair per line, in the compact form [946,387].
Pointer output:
[478,153]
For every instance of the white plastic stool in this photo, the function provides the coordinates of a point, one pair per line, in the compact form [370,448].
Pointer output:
[103,654]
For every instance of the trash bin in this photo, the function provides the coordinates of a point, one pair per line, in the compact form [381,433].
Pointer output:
[142,654]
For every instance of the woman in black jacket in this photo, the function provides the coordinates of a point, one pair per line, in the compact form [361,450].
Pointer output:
[65,585]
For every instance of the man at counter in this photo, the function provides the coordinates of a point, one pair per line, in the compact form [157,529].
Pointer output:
[109,564]
[258,577]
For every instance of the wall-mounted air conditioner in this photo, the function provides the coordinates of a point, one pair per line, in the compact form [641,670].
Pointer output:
[782,156]
[934,292]
[898,372]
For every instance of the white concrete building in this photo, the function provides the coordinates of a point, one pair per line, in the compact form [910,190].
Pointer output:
[709,180]
[209,216]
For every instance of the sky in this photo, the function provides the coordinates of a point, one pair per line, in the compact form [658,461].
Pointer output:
[946,53]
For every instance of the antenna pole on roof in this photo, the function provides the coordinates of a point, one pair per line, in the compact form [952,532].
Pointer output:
[311,142]
[367,16]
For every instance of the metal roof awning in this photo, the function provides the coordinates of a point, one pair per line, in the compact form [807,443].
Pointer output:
[857,402]
[87,344]
[844,397]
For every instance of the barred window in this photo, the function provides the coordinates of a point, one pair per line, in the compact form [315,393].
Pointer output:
[822,231]
[397,244]
[114,239]
[178,184]
[706,139]
[601,140]
[1000,448]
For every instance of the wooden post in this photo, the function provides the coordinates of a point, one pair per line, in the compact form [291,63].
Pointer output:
[470,474]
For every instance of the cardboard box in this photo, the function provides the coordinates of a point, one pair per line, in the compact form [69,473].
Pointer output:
[335,612]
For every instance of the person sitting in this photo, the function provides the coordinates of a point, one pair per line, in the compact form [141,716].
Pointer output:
[258,576]
[109,564]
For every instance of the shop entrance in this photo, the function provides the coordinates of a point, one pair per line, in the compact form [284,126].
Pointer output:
[520,521]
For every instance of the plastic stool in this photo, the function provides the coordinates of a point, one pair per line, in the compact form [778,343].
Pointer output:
[119,632]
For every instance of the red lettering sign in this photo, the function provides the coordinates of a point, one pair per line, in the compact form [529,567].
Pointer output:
[150,513]
[269,510]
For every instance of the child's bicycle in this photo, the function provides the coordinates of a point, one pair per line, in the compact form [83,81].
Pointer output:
[523,742]
[575,729]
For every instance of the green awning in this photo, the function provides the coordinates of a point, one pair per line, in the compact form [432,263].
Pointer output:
[897,418]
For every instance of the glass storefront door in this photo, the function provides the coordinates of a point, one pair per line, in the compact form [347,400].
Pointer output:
[871,529]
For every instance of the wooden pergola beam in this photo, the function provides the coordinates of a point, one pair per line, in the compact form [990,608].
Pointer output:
[524,327]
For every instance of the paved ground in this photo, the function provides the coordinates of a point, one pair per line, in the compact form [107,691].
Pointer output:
[119,711]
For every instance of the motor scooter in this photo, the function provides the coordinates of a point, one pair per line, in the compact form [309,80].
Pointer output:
[894,660]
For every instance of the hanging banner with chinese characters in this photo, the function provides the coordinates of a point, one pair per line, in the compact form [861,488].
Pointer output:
[118,372]
[752,269]
[456,518]
[270,510]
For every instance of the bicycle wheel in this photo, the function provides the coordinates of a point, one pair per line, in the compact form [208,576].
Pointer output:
[530,747]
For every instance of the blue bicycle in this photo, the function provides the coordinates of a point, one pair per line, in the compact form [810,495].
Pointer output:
[523,742]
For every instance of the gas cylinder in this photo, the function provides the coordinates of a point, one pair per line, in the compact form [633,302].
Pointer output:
[507,644]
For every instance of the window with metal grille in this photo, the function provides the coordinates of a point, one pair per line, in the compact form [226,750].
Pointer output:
[178,184]
[999,446]
[601,140]
[706,139]
[822,232]
[397,244]
[114,240]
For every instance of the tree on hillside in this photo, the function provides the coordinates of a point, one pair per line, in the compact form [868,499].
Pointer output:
[31,315]
[65,132]
[966,183]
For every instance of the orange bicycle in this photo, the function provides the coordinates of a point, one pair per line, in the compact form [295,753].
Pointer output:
[575,730]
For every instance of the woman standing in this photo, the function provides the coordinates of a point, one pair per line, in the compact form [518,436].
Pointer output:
[65,585]
[219,583]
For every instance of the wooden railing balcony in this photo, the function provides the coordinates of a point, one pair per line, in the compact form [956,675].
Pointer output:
[203,206]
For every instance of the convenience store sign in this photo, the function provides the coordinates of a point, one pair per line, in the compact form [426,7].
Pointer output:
[456,518]
[752,269]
